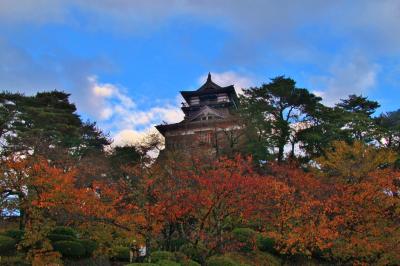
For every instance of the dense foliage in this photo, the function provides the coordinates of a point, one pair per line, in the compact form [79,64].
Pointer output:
[333,196]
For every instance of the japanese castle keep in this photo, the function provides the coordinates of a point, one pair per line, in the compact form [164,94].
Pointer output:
[209,123]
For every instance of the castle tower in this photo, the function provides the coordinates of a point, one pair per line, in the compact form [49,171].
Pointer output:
[209,122]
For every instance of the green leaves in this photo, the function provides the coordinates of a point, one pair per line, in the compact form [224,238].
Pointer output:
[273,110]
[46,122]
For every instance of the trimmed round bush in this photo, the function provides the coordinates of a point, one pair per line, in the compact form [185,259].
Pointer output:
[245,237]
[197,253]
[15,260]
[179,256]
[120,253]
[69,249]
[89,245]
[190,263]
[59,237]
[168,263]
[220,261]
[7,245]
[17,235]
[162,255]
[142,264]
[266,244]
[64,230]
[184,260]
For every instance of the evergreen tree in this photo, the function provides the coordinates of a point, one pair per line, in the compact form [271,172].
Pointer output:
[359,124]
[389,125]
[277,112]
[44,122]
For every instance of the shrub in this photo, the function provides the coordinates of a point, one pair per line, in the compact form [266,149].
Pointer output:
[7,245]
[197,253]
[142,264]
[266,244]
[190,263]
[93,261]
[89,245]
[245,238]
[179,256]
[17,260]
[184,260]
[168,263]
[59,237]
[64,230]
[220,261]
[120,253]
[17,235]
[69,249]
[162,255]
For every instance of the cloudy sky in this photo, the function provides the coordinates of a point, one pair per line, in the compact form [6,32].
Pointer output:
[124,61]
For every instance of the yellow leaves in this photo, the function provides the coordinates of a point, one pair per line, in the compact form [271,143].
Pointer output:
[353,163]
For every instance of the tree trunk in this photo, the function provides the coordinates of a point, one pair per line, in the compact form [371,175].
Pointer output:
[280,152]
[148,246]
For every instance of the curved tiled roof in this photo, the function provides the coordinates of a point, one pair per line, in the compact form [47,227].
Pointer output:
[208,87]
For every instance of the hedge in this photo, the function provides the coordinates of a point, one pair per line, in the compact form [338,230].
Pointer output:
[142,264]
[189,263]
[179,256]
[221,261]
[7,245]
[245,237]
[69,249]
[197,253]
[64,230]
[60,237]
[89,245]
[266,244]
[120,253]
[15,260]
[168,263]
[162,255]
[17,235]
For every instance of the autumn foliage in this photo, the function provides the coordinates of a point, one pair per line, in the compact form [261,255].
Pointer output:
[324,211]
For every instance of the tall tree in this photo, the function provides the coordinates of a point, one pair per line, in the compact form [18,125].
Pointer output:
[46,124]
[324,127]
[48,118]
[279,111]
[122,159]
[389,125]
[358,117]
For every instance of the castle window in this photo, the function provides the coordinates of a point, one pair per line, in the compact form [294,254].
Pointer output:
[194,101]
[223,97]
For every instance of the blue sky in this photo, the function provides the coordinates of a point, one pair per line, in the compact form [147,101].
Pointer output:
[124,62]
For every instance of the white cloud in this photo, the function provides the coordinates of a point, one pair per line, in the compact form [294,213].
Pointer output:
[130,137]
[117,112]
[353,75]
[105,90]
[105,113]
[134,137]
[230,78]
[133,125]
[108,104]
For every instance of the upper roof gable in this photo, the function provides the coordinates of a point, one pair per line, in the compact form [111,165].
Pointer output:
[209,87]
[206,111]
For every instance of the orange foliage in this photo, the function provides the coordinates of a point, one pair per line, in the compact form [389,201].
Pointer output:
[351,220]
